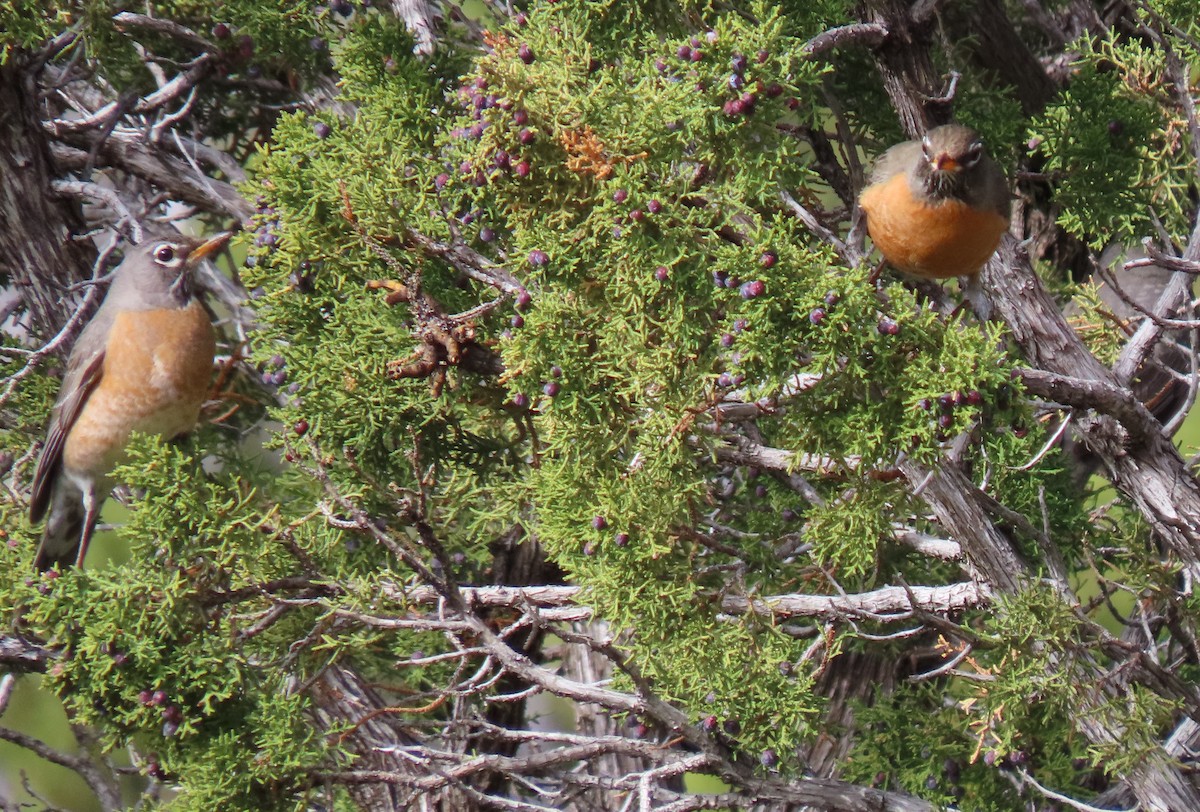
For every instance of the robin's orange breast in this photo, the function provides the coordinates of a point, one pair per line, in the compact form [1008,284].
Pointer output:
[157,368]
[937,239]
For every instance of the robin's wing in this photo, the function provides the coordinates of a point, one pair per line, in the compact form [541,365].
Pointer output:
[900,158]
[993,188]
[84,369]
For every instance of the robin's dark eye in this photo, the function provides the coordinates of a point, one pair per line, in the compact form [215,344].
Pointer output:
[974,153]
[164,254]
[927,148]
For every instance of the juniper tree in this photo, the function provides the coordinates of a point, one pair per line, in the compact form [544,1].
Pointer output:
[556,379]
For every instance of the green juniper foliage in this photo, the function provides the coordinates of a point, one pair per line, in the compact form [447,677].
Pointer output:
[1102,144]
[583,183]
[620,165]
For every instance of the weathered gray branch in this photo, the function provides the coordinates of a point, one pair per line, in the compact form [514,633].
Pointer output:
[882,601]
[129,151]
[37,251]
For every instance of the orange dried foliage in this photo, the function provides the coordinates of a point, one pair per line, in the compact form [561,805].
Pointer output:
[497,42]
[586,153]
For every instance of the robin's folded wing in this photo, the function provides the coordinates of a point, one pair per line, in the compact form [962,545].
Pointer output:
[83,373]
[994,194]
[900,158]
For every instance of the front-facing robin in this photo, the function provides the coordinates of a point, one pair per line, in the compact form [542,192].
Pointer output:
[143,363]
[937,207]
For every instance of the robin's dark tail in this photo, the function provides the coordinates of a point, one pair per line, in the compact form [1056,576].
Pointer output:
[65,537]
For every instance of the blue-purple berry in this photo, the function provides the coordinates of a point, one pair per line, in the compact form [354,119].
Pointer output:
[245,47]
[754,289]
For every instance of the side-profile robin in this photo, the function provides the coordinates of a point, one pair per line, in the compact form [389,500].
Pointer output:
[937,207]
[143,363]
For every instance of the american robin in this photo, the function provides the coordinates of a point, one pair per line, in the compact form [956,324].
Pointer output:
[143,363]
[937,207]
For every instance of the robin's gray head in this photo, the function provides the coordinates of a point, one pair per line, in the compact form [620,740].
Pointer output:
[158,273]
[951,157]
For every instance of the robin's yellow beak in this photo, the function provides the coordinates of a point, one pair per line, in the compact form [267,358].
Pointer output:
[945,163]
[208,247]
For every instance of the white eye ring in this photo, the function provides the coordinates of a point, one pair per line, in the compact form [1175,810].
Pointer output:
[164,254]
[927,148]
